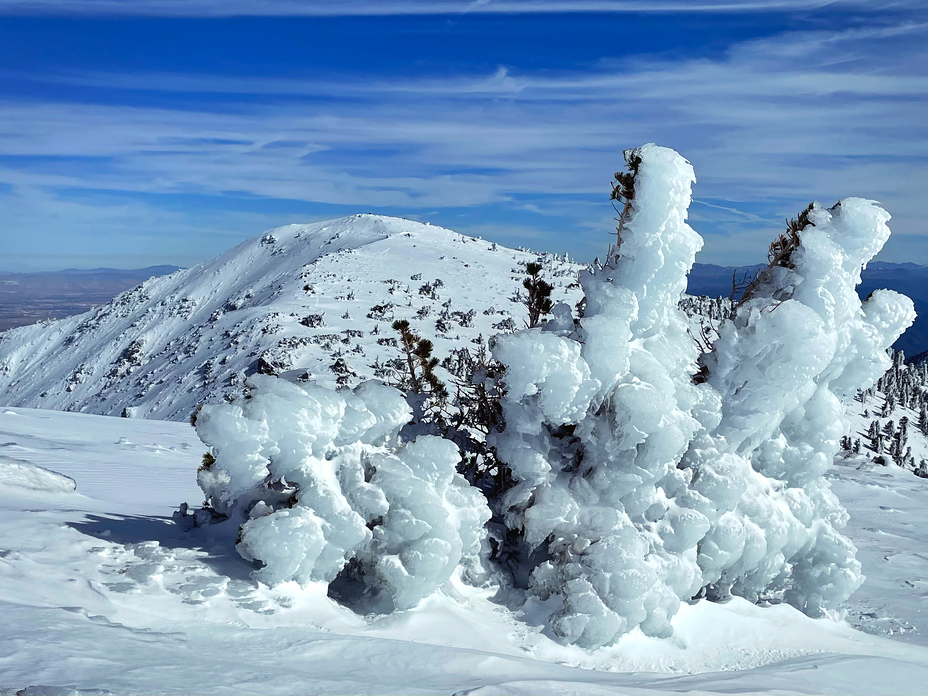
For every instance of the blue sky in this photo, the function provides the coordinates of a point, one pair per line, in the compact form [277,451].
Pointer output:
[137,132]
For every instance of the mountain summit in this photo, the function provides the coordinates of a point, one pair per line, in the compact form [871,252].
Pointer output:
[318,299]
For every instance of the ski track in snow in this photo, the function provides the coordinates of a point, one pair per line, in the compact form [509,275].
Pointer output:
[99,590]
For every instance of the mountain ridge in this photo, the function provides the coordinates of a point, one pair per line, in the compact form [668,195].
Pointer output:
[318,299]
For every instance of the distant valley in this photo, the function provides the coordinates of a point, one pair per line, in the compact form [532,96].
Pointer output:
[28,298]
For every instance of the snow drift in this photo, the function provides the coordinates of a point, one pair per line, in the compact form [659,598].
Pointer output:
[17,472]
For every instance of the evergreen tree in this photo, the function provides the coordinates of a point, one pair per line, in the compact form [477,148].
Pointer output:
[873,434]
[889,404]
[538,300]
[419,362]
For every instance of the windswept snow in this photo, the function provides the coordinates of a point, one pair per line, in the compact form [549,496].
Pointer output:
[104,592]
[16,472]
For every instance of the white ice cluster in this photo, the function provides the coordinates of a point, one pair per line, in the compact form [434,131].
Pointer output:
[643,482]
[317,478]
[598,417]
[801,341]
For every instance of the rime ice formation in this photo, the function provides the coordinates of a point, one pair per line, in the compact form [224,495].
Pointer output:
[646,466]
[317,478]
[643,486]
[597,420]
[800,343]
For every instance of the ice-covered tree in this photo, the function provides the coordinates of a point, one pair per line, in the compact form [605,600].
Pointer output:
[645,476]
[597,419]
[800,343]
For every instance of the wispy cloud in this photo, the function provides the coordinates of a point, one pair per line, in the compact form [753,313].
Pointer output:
[324,8]
[773,124]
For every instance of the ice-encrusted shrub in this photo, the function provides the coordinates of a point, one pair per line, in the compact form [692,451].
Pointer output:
[642,478]
[597,419]
[801,341]
[636,467]
[317,478]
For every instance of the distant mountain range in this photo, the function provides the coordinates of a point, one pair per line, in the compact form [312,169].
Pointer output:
[26,298]
[908,278]
[109,273]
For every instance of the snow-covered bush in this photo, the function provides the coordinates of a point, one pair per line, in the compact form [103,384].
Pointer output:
[801,341]
[643,477]
[317,478]
[597,419]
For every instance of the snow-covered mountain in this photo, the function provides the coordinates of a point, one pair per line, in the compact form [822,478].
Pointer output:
[315,300]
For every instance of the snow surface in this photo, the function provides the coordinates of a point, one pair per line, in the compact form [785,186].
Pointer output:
[99,590]
[16,472]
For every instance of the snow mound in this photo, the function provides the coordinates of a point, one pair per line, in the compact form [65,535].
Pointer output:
[17,472]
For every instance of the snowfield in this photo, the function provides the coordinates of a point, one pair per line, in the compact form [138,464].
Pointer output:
[101,592]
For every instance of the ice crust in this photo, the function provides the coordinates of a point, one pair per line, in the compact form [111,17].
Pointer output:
[317,478]
[645,488]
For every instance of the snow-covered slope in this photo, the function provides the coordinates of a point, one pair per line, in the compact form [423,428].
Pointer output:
[299,297]
[104,593]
